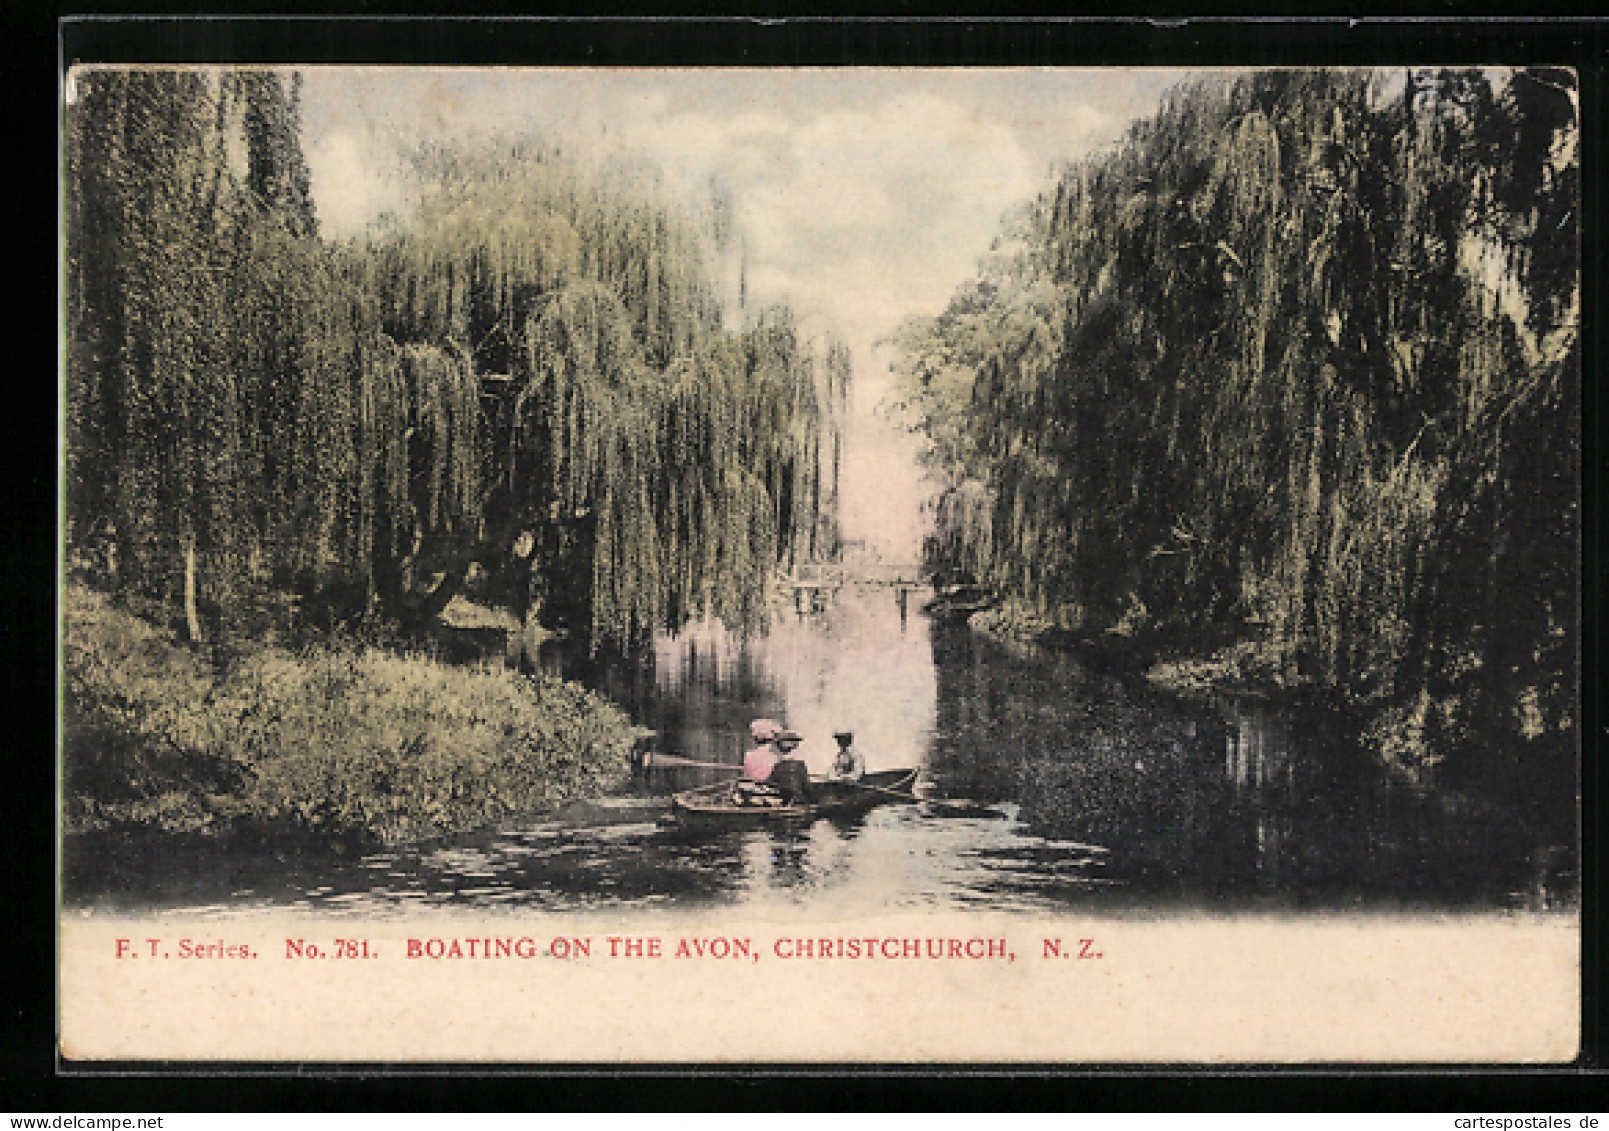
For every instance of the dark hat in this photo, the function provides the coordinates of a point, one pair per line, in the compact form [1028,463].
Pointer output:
[844,736]
[789,736]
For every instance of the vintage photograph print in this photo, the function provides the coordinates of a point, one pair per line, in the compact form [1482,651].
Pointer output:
[905,566]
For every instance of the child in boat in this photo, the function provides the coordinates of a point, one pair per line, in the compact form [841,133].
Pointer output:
[848,764]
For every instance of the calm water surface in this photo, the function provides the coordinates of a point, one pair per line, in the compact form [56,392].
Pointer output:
[1080,790]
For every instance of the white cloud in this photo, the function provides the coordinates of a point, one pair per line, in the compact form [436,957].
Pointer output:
[355,181]
[855,215]
[864,197]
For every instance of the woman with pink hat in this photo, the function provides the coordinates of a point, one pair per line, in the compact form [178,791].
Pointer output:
[768,760]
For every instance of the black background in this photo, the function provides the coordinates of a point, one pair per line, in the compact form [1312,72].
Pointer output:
[32,1081]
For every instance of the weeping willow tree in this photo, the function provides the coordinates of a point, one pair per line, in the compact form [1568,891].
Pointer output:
[190,265]
[638,463]
[530,377]
[1299,360]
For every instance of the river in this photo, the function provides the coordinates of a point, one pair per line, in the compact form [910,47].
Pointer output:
[1081,790]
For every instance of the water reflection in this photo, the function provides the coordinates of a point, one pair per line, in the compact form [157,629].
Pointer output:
[858,666]
[1256,747]
[1221,805]
[1084,791]
[890,859]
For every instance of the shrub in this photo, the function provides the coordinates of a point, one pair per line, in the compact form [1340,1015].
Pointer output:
[343,737]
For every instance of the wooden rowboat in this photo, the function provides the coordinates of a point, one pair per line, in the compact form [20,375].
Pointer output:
[717,805]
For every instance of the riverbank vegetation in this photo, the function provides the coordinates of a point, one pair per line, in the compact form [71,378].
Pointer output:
[532,391]
[1284,391]
[346,739]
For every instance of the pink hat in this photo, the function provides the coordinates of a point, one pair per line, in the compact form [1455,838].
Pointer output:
[764,730]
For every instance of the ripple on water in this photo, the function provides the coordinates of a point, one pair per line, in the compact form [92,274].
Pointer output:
[621,832]
[627,803]
[1073,846]
[459,859]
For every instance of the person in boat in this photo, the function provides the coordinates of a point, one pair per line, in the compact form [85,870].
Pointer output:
[848,764]
[790,775]
[761,758]
[768,762]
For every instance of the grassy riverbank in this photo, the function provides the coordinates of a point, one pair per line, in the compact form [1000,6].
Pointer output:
[1197,661]
[343,737]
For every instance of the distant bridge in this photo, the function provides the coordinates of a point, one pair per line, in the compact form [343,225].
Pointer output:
[814,584]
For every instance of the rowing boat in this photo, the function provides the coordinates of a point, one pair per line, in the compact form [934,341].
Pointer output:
[719,804]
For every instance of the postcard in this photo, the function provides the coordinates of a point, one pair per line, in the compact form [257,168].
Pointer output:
[855,566]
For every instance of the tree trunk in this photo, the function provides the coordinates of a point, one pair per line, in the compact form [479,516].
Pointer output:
[430,606]
[192,616]
[421,610]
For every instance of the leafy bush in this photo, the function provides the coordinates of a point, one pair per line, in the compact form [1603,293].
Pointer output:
[349,738]
[1013,620]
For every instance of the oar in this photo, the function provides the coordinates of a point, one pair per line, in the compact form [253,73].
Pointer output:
[676,760]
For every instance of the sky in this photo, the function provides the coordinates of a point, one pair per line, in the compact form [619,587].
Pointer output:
[864,196]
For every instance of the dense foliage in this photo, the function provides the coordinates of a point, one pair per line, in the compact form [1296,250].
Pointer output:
[1298,361]
[347,739]
[505,390]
